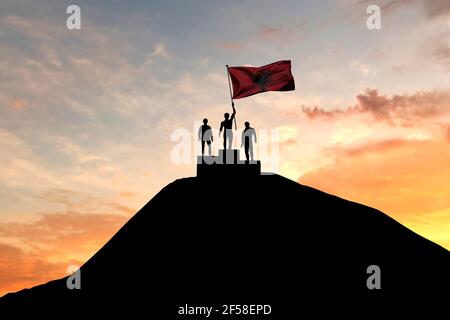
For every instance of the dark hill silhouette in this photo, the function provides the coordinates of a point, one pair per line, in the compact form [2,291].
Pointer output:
[265,240]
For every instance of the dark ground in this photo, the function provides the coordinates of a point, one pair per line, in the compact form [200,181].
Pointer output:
[260,240]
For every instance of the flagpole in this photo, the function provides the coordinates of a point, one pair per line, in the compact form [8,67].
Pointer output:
[231,95]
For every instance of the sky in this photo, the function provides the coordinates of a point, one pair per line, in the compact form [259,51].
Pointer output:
[89,118]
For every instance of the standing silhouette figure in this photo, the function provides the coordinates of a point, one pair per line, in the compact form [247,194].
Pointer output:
[227,124]
[247,140]
[205,135]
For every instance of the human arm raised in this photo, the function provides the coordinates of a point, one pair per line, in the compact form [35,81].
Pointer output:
[234,111]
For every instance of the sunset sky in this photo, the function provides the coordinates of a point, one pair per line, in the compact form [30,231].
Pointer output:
[87,116]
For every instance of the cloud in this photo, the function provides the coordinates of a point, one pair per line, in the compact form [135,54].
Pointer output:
[441,53]
[83,202]
[281,33]
[19,165]
[19,270]
[270,32]
[388,6]
[127,194]
[35,252]
[407,179]
[159,51]
[39,250]
[437,8]
[22,166]
[31,28]
[432,9]
[447,131]
[402,110]
[350,133]
[431,34]
[318,112]
[66,231]
[78,153]
[232,45]
[389,174]
[17,104]
[287,136]
[370,148]
[404,107]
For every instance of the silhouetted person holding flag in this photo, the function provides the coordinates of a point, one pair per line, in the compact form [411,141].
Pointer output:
[227,124]
[205,135]
[247,140]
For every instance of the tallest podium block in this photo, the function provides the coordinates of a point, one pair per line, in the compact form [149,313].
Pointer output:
[226,164]
[229,156]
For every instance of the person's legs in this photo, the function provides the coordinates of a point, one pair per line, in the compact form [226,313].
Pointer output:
[225,139]
[246,144]
[250,147]
[230,138]
[203,147]
[209,147]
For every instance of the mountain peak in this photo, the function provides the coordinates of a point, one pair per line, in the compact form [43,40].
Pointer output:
[221,239]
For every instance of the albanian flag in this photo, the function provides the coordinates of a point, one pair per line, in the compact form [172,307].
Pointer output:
[248,81]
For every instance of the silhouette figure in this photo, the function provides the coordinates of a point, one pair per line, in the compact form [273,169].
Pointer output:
[247,140]
[205,135]
[227,124]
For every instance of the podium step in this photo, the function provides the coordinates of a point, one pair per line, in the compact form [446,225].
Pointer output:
[227,163]
[229,156]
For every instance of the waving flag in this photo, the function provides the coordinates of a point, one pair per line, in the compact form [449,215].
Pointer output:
[248,81]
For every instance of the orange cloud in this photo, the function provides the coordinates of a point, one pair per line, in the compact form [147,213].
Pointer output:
[127,194]
[403,110]
[17,104]
[36,252]
[408,180]
[66,230]
[82,202]
[318,112]
[287,143]
[19,270]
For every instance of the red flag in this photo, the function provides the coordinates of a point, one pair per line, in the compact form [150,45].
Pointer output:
[248,81]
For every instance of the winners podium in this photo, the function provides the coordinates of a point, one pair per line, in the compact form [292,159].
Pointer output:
[227,163]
